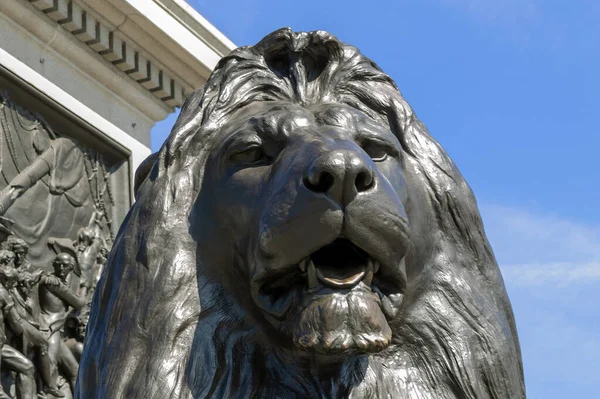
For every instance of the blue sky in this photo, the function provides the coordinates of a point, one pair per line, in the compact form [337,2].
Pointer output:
[510,88]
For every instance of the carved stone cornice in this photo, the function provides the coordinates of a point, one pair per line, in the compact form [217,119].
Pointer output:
[122,33]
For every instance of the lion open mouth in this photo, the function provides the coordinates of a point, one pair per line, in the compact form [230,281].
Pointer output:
[340,264]
[330,302]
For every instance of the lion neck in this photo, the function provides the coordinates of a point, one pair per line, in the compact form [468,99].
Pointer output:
[244,367]
[234,361]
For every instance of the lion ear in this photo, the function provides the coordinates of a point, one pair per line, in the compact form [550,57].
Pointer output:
[143,170]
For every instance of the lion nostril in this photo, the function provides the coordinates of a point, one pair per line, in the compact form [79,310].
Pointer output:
[321,183]
[363,181]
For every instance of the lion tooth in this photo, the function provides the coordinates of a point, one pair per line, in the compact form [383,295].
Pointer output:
[368,279]
[375,266]
[303,264]
[391,305]
[312,275]
[388,308]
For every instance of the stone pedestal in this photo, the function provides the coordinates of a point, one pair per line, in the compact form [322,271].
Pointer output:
[81,85]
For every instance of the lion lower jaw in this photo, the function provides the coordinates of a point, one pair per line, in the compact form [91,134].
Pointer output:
[342,322]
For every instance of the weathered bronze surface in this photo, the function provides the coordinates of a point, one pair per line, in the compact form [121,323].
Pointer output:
[301,235]
[55,233]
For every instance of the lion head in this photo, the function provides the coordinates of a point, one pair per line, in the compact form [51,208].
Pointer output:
[301,234]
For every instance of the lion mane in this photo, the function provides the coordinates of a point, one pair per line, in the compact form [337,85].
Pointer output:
[161,328]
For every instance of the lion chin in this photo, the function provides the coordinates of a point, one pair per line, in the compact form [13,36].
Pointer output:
[342,322]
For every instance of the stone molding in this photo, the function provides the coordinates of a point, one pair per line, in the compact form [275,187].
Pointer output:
[104,41]
[135,150]
[107,40]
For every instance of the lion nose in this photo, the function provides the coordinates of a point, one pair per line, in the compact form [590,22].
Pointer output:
[342,175]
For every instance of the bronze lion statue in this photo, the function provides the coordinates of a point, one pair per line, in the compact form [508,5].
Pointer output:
[301,235]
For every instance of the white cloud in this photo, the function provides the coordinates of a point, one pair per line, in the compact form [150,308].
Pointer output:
[551,266]
[535,248]
[537,239]
[560,273]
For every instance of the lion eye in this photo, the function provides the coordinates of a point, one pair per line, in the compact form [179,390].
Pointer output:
[250,156]
[378,152]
